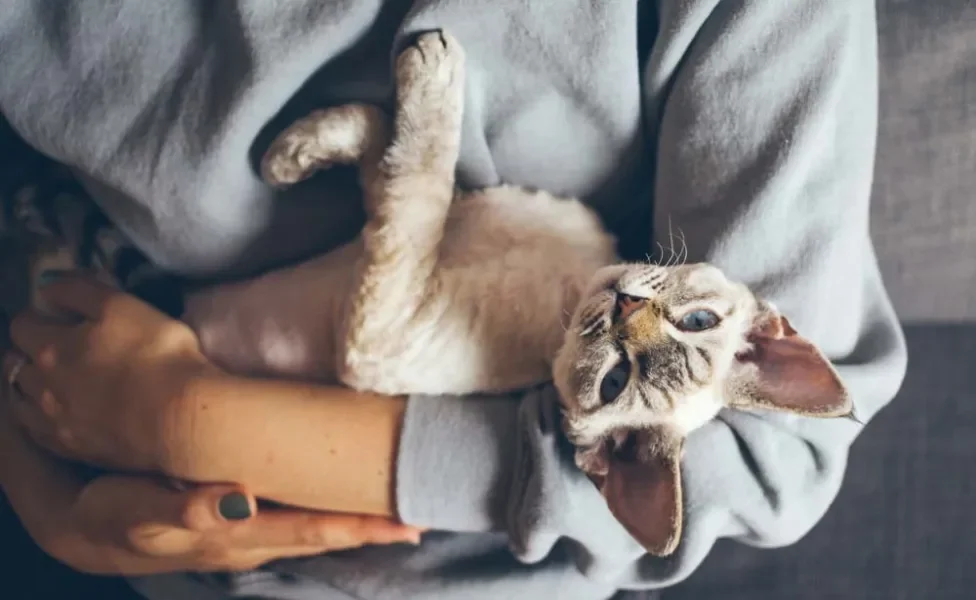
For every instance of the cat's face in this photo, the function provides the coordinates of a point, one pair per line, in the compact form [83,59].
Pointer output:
[651,345]
[654,352]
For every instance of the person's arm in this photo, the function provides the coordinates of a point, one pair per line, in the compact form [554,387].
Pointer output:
[124,387]
[765,116]
[132,524]
[321,447]
[135,524]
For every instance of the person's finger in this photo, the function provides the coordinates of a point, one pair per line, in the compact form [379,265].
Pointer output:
[298,528]
[77,294]
[36,416]
[210,506]
[141,508]
[36,335]
[230,508]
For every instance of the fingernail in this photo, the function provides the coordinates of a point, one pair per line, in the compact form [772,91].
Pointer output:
[412,538]
[50,276]
[234,507]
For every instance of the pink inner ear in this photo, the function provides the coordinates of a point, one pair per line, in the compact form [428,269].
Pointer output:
[645,497]
[791,374]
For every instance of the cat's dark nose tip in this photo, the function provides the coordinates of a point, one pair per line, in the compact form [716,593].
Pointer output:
[628,305]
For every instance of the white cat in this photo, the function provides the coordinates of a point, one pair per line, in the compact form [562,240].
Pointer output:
[449,292]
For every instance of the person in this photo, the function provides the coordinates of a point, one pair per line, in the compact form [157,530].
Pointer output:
[749,127]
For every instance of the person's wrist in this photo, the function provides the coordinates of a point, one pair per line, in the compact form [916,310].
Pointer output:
[185,439]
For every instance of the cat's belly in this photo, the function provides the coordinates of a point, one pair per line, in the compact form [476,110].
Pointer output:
[512,267]
[279,324]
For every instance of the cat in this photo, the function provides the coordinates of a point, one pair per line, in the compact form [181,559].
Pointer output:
[451,292]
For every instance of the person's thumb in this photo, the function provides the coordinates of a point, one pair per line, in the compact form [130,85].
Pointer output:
[205,507]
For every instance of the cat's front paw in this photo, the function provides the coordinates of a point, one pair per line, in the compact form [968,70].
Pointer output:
[430,84]
[434,62]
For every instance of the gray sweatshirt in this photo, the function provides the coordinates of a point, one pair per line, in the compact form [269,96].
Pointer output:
[749,126]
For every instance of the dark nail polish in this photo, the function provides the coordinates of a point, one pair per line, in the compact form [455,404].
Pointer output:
[235,507]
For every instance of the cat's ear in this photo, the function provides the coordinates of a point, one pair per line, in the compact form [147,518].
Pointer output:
[782,370]
[642,487]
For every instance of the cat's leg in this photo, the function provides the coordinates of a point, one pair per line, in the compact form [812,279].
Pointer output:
[408,194]
[343,134]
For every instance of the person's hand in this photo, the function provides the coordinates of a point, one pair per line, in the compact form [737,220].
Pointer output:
[136,525]
[104,387]
[130,525]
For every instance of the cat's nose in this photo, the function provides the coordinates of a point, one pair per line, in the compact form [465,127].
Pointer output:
[628,305]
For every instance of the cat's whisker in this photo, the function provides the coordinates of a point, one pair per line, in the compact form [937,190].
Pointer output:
[677,256]
[684,247]
[683,250]
[563,323]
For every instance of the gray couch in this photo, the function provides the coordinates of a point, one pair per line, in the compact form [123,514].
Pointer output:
[904,525]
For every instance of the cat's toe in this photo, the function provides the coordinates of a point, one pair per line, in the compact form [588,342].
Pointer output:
[288,160]
[435,57]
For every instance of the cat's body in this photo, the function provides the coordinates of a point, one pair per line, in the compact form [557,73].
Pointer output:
[447,292]
[443,292]
[512,266]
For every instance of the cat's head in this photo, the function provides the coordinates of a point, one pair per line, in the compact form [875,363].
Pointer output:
[653,353]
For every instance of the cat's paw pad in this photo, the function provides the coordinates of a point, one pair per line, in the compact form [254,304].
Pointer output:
[431,69]
[292,157]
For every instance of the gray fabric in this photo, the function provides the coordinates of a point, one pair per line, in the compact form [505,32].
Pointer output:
[902,527]
[757,143]
[924,215]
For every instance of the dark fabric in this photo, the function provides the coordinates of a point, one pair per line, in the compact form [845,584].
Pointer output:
[646,595]
[924,215]
[28,574]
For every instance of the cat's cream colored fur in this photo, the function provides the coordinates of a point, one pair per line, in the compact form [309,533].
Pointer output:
[443,292]
[448,292]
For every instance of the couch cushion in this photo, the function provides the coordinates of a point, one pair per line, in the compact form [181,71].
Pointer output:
[924,213]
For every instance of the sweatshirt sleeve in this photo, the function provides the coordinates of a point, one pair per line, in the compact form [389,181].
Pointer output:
[763,115]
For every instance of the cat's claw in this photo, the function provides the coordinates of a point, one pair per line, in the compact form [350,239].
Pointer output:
[430,67]
[433,54]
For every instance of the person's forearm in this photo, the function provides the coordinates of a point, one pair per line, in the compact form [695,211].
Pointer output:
[321,447]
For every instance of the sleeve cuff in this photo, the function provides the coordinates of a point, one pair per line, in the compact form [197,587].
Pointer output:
[455,462]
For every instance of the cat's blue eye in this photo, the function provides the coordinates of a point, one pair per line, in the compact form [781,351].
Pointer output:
[698,320]
[614,382]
